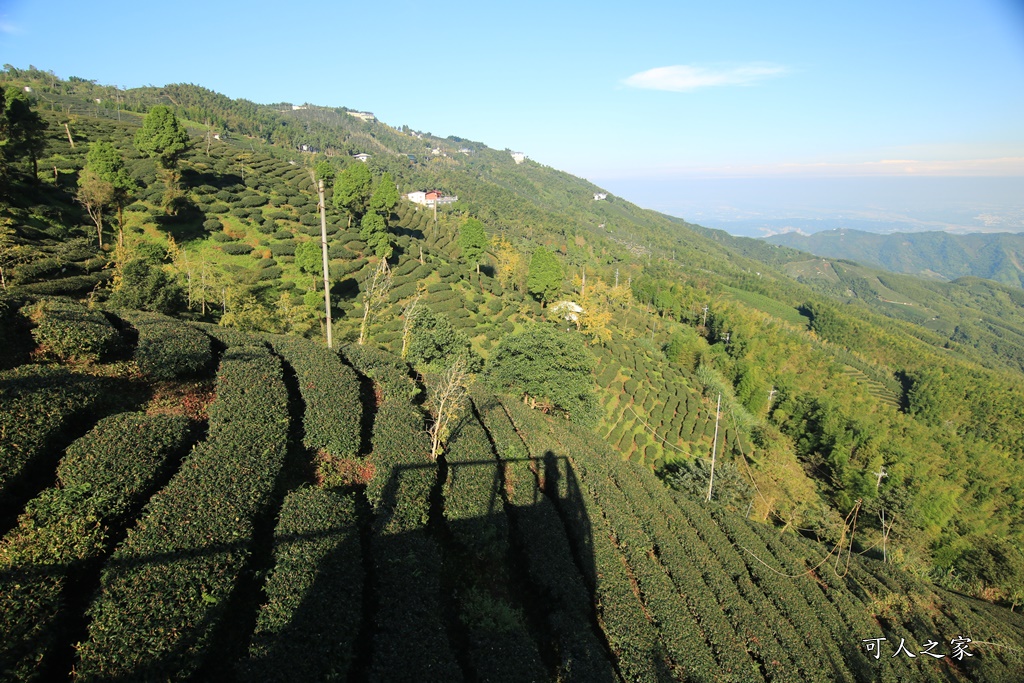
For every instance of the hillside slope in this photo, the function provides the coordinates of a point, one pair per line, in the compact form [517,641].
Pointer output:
[829,373]
[251,541]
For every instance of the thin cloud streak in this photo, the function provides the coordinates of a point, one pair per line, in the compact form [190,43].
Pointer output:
[998,167]
[685,78]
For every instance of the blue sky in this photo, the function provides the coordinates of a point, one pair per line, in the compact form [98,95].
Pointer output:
[605,90]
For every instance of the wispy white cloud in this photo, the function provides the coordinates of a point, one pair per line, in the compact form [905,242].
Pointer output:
[8,27]
[1010,166]
[684,77]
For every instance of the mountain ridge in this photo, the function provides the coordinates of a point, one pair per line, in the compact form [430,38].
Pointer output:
[937,255]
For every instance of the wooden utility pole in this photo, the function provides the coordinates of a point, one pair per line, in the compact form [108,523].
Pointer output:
[704,321]
[327,275]
[714,446]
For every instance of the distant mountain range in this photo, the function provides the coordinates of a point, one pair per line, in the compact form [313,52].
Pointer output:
[939,255]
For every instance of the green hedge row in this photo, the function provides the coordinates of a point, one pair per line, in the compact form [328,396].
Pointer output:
[410,641]
[545,549]
[76,284]
[633,639]
[168,586]
[333,411]
[237,248]
[613,488]
[500,647]
[307,628]
[104,475]
[403,291]
[167,348]
[70,331]
[41,404]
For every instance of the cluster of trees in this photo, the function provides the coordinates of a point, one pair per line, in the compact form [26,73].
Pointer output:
[22,133]
[368,203]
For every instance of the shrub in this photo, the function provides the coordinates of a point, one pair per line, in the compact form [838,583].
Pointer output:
[104,475]
[167,348]
[307,628]
[155,619]
[253,201]
[146,287]
[283,248]
[270,273]
[330,390]
[222,237]
[40,405]
[212,225]
[237,248]
[74,285]
[72,332]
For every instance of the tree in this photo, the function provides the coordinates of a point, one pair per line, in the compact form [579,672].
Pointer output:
[376,294]
[95,194]
[473,241]
[447,396]
[434,343]
[324,171]
[352,191]
[144,286]
[162,137]
[544,280]
[309,259]
[107,163]
[22,131]
[692,477]
[550,369]
[385,197]
[374,231]
[409,319]
[509,264]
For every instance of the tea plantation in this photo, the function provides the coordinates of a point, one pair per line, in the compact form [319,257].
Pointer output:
[186,501]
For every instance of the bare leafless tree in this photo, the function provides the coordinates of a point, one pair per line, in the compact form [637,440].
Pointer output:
[448,401]
[375,296]
[409,315]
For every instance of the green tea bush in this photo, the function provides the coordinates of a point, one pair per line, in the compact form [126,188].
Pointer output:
[40,404]
[237,248]
[103,476]
[270,273]
[282,248]
[154,619]
[253,201]
[69,332]
[330,390]
[221,237]
[167,348]
[67,286]
[308,626]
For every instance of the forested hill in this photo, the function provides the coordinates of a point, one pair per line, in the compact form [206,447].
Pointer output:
[160,254]
[995,256]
